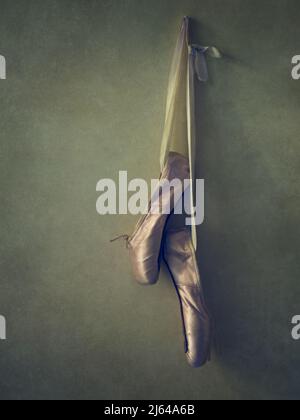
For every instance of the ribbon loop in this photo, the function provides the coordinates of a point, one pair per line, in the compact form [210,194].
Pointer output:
[200,62]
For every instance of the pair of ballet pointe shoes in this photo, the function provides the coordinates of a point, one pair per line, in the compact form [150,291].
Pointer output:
[152,241]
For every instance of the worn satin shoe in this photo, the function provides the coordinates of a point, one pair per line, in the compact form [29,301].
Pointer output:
[179,255]
[145,245]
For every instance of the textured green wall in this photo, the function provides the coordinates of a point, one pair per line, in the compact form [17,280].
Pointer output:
[85,98]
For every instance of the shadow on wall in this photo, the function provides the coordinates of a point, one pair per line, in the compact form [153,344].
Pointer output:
[239,254]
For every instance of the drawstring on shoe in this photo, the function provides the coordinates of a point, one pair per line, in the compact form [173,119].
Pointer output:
[125,237]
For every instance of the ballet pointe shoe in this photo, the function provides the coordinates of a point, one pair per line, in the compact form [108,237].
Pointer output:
[179,255]
[145,244]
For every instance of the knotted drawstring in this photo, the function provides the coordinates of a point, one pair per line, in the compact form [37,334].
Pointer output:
[125,237]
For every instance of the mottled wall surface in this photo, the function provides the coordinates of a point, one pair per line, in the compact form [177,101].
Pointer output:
[85,98]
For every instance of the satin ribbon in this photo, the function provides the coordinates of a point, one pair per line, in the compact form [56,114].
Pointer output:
[191,59]
[199,57]
[197,66]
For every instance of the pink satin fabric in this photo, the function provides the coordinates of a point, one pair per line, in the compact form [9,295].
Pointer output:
[145,243]
[180,258]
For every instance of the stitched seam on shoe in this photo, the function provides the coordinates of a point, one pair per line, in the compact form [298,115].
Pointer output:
[195,263]
[181,307]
